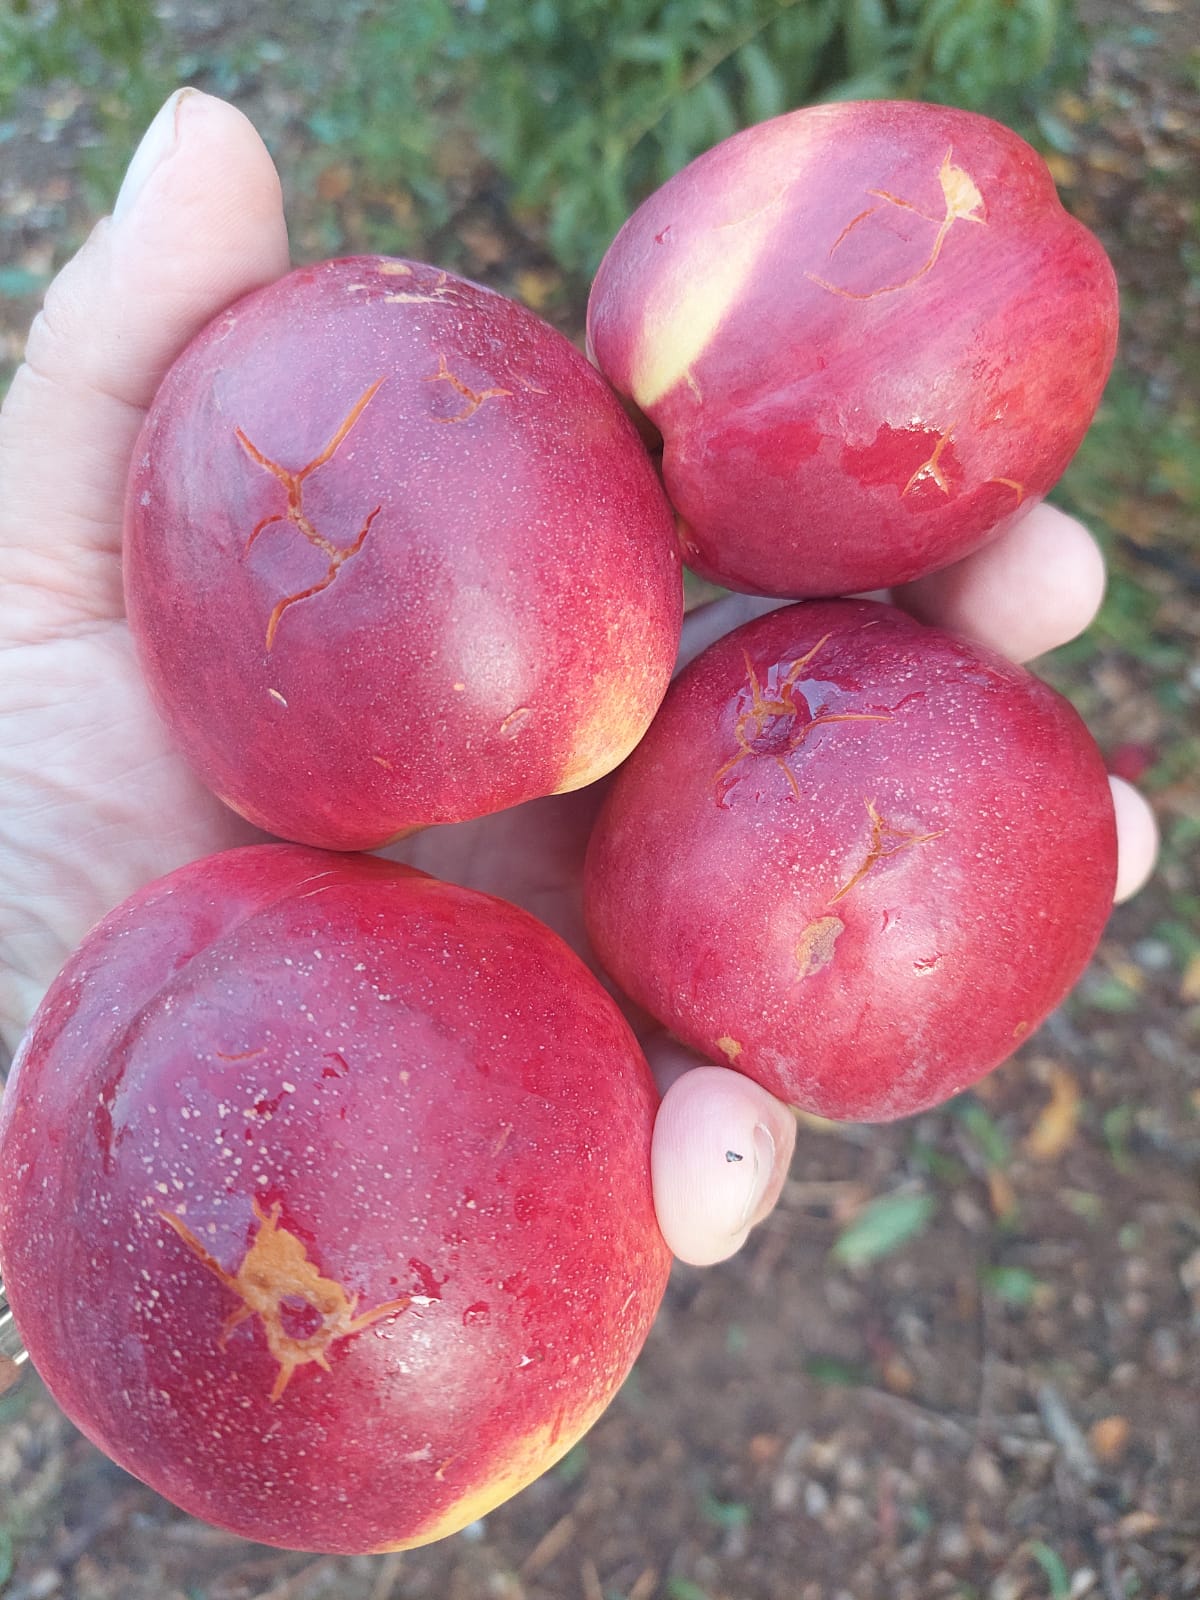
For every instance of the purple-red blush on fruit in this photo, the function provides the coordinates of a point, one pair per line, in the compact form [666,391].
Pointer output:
[856,858]
[869,335]
[326,1202]
[395,555]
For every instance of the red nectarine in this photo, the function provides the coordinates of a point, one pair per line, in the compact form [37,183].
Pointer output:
[395,555]
[326,1205]
[856,858]
[869,335]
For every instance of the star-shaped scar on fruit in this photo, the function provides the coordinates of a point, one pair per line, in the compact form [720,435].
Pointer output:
[293,482]
[776,725]
[963,202]
[274,1271]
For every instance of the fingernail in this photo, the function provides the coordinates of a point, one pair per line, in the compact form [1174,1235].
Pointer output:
[764,1167]
[158,141]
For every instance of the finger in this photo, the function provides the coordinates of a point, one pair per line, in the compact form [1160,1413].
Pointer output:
[716,618]
[1035,587]
[719,1158]
[198,222]
[1137,839]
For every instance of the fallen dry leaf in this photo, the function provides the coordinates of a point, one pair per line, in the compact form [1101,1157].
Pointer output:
[764,1448]
[1108,1438]
[1136,1524]
[1059,1118]
[538,286]
[1001,1194]
[898,1376]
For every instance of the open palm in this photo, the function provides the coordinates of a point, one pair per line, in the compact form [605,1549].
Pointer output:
[95,802]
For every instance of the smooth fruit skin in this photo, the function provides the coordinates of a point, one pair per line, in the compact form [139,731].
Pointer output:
[856,858]
[395,556]
[325,1202]
[870,336]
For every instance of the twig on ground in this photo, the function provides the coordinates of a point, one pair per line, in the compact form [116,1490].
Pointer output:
[922,1419]
[1066,1434]
[549,1546]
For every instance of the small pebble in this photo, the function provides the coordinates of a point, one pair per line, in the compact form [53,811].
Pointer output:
[1166,1353]
[1155,955]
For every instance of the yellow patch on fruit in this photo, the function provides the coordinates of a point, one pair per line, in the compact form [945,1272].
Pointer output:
[691,299]
[276,1268]
[610,734]
[527,1459]
[814,948]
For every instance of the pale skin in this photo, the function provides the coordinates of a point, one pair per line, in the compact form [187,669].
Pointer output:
[94,802]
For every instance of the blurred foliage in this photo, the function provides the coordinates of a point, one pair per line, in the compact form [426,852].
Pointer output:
[580,106]
[1138,468]
[584,106]
[111,49]
[882,1226]
[120,59]
[40,41]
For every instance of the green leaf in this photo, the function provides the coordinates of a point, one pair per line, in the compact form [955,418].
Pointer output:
[16,281]
[724,1513]
[875,85]
[1051,1564]
[868,36]
[882,1227]
[574,1464]
[685,1589]
[1107,993]
[833,1373]
[1083,1203]
[645,49]
[984,1131]
[718,110]
[927,1158]
[1058,134]
[1015,1285]
[766,91]
[1118,1125]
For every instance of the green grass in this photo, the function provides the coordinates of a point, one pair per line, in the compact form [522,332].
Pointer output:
[579,107]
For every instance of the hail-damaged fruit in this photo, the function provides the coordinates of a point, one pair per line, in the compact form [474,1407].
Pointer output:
[395,556]
[856,858]
[869,335]
[326,1205]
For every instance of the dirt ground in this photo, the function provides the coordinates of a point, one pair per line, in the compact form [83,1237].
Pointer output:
[1004,1406]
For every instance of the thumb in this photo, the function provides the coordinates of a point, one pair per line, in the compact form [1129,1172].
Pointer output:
[721,1150]
[199,222]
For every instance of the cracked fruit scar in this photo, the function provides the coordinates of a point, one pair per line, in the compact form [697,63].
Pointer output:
[394,556]
[326,1203]
[870,337]
[856,858]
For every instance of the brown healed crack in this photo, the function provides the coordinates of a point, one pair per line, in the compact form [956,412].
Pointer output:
[962,201]
[474,397]
[294,482]
[933,467]
[886,842]
[275,1269]
[754,722]
[1009,483]
[814,949]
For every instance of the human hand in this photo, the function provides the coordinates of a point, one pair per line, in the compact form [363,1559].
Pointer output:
[94,801]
